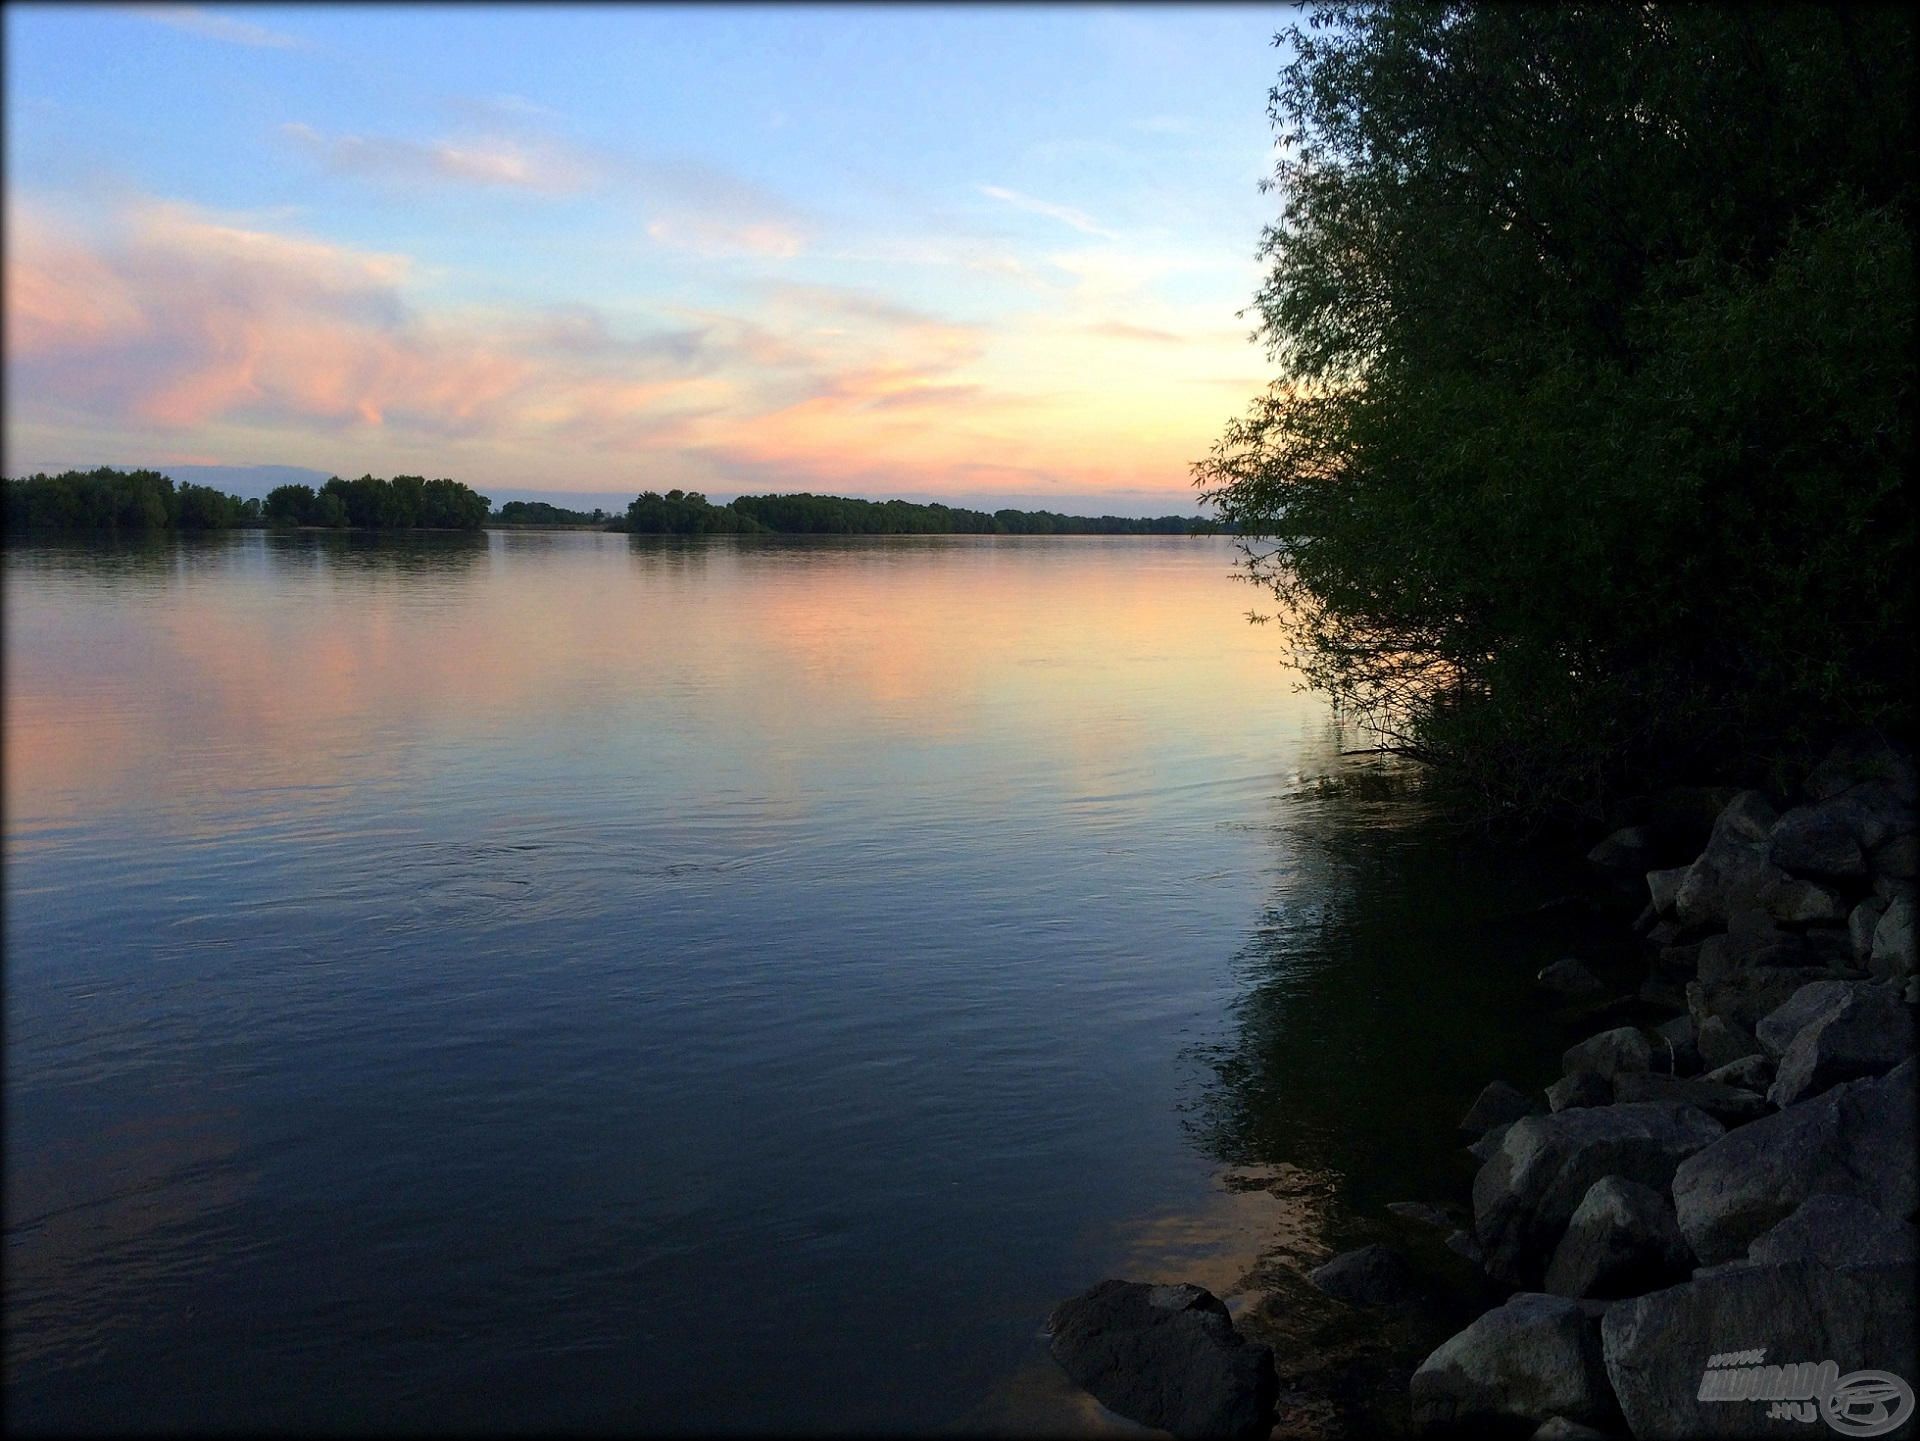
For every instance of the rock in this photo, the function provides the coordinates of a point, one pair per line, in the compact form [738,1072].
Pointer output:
[1899,858]
[1750,1073]
[1828,945]
[1166,1356]
[1862,756]
[1497,1104]
[1621,1240]
[1570,978]
[1867,1034]
[1730,872]
[1861,921]
[1806,1005]
[1861,1317]
[1621,1049]
[1463,1244]
[1484,1149]
[1675,1050]
[1527,1190]
[1535,1357]
[1664,888]
[1855,1140]
[1419,1211]
[1802,902]
[1745,999]
[1721,1042]
[1625,850]
[1729,1105]
[1582,1088]
[1817,840]
[1836,1231]
[1886,888]
[1559,1428]
[1892,957]
[1875,814]
[1370,1276]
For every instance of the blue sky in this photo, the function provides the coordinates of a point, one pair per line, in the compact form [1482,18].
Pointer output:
[982,252]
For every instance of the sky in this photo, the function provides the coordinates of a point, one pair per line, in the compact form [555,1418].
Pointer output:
[985,254]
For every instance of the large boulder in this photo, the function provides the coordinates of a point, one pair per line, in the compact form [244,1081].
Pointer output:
[1664,888]
[1892,956]
[1622,1240]
[1863,757]
[1536,1357]
[1527,1190]
[1897,859]
[1836,1231]
[1722,1043]
[1855,1140]
[1568,977]
[1496,1105]
[1809,1003]
[1817,840]
[1743,1000]
[1867,1034]
[1728,1104]
[1624,1048]
[1730,872]
[1166,1356]
[1801,902]
[1750,1073]
[1371,1276]
[1658,1347]
[1862,920]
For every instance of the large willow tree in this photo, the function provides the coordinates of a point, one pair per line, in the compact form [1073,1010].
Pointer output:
[1586,463]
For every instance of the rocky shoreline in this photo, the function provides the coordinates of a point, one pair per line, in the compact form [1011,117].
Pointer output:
[1714,1200]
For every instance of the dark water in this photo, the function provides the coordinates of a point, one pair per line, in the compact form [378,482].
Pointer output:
[559,980]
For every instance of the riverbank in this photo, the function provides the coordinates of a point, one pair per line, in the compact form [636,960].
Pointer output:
[1724,1165]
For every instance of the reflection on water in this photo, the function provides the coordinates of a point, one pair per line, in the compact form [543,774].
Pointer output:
[570,981]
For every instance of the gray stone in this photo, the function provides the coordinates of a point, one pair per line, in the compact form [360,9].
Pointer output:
[1867,1034]
[1582,1088]
[1836,1231]
[1371,1276]
[1675,1050]
[1861,921]
[1525,1193]
[1497,1104]
[1535,1357]
[1855,1139]
[1721,1042]
[1625,850]
[1621,1240]
[1664,888]
[1862,756]
[1806,1005]
[1893,945]
[1802,902]
[1621,1049]
[1899,858]
[1750,1073]
[1489,1145]
[1559,1428]
[1569,977]
[1656,1346]
[1729,1105]
[1462,1243]
[1745,999]
[1419,1211]
[1875,814]
[1733,868]
[1817,840]
[1166,1356]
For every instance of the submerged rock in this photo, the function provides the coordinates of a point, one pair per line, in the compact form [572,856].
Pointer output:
[1371,1276]
[1535,1357]
[1166,1356]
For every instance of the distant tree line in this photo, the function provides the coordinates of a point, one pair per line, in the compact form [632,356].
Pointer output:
[538,512]
[407,502]
[691,513]
[131,500]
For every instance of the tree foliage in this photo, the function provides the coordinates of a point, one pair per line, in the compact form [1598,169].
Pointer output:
[407,502]
[1587,459]
[690,513]
[108,499]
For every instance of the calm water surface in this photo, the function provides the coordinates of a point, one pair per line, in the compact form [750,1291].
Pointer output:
[565,980]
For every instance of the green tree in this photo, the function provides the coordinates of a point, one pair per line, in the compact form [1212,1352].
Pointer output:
[1587,461]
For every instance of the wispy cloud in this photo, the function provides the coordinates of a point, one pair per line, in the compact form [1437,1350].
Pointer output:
[211,25]
[1121,330]
[545,168]
[1065,214]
